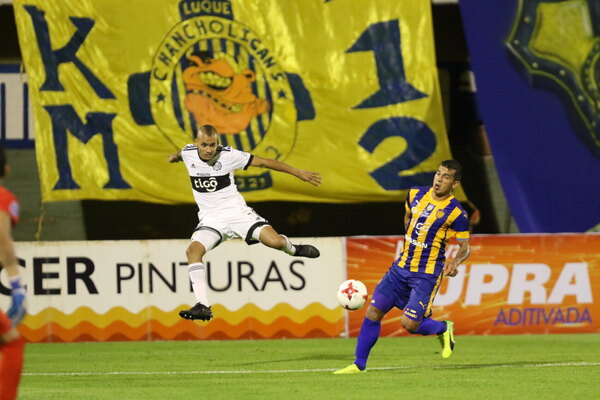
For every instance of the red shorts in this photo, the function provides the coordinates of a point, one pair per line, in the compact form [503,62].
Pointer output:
[5,324]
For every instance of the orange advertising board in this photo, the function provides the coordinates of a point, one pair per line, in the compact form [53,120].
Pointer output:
[510,284]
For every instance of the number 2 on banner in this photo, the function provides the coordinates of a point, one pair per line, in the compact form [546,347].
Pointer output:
[420,144]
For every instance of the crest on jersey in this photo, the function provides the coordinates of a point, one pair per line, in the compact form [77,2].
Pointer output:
[440,214]
[558,42]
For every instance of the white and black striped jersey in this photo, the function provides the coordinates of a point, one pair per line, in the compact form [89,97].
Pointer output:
[213,182]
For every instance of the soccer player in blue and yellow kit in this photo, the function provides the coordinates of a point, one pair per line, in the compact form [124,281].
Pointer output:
[433,216]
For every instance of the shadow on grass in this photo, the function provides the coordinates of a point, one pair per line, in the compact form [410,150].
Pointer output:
[516,364]
[312,357]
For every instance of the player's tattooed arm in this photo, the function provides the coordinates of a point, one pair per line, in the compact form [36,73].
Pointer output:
[314,178]
[175,157]
[464,249]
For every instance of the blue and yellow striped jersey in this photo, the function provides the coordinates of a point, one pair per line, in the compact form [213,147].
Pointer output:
[432,224]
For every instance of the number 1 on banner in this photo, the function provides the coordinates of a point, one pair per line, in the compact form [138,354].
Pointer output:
[383,38]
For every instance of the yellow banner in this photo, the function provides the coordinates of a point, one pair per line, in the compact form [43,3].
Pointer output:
[345,87]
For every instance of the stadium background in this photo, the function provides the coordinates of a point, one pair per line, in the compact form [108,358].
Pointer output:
[68,230]
[517,283]
[95,219]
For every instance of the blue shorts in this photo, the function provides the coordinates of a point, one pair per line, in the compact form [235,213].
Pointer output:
[412,292]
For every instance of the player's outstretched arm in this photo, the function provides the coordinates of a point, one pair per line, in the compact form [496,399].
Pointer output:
[175,157]
[314,178]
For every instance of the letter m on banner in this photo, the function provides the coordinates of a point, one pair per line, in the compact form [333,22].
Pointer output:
[65,119]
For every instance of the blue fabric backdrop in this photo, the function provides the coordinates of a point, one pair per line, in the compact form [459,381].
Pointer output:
[548,161]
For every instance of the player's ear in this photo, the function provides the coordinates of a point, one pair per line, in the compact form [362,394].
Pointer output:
[455,184]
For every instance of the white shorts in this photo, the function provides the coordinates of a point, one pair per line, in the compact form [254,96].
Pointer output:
[243,223]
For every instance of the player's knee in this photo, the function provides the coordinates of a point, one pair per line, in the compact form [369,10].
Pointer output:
[412,330]
[374,313]
[195,252]
[409,324]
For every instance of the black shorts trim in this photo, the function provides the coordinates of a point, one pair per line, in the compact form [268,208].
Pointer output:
[249,238]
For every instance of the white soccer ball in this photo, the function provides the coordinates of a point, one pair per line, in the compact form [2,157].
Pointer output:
[352,294]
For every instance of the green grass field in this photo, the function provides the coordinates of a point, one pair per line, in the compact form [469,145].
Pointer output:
[482,367]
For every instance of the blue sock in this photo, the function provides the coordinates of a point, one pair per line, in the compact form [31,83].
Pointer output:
[369,333]
[431,327]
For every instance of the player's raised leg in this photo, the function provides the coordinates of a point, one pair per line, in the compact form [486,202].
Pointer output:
[269,237]
[419,304]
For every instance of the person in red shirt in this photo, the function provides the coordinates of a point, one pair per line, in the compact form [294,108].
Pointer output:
[12,345]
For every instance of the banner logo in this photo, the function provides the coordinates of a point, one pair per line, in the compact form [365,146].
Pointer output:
[565,60]
[210,69]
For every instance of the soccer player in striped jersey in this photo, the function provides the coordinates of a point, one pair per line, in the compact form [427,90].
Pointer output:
[433,216]
[222,211]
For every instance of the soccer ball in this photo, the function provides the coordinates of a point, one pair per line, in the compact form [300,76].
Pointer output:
[352,294]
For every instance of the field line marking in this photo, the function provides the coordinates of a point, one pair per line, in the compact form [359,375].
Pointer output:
[288,371]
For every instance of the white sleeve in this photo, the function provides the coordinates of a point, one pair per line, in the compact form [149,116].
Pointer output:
[240,159]
[186,155]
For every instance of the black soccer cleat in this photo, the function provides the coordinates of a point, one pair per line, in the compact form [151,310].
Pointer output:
[306,250]
[199,311]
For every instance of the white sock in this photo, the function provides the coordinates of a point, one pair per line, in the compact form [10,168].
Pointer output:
[288,248]
[197,273]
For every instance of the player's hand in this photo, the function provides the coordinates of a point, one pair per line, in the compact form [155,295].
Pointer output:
[314,178]
[451,268]
[16,311]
